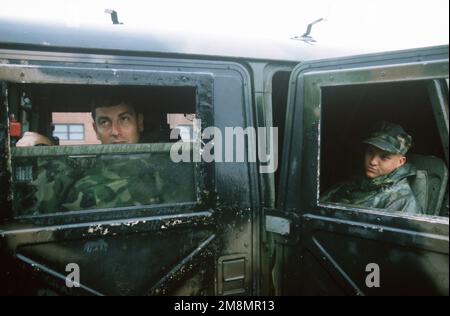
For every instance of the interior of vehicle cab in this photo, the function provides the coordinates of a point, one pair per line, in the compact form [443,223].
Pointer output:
[35,106]
[349,111]
[46,179]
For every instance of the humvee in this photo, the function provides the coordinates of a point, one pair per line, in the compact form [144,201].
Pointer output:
[217,228]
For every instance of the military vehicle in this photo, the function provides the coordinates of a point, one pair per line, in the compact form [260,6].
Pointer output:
[215,228]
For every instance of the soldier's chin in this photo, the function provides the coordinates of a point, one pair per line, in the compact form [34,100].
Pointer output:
[371,174]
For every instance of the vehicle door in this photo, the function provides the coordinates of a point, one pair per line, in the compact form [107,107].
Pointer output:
[192,233]
[340,249]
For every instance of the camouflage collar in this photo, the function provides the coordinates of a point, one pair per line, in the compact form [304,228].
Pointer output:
[405,171]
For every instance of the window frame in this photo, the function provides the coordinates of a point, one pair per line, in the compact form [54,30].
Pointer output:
[315,81]
[127,75]
[68,131]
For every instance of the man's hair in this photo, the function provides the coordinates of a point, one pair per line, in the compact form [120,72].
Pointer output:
[111,97]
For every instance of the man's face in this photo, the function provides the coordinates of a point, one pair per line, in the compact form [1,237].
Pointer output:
[378,162]
[118,124]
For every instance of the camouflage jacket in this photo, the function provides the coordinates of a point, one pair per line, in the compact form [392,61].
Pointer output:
[115,182]
[52,180]
[391,192]
[62,184]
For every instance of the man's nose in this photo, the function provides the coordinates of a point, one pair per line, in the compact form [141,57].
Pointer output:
[115,129]
[373,160]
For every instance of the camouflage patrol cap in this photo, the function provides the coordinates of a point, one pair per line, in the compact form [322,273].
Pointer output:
[390,137]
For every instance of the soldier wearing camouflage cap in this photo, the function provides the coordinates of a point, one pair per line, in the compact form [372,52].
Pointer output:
[385,184]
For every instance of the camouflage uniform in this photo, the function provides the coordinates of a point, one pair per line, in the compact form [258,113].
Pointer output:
[131,180]
[390,192]
[103,182]
[53,180]
[115,183]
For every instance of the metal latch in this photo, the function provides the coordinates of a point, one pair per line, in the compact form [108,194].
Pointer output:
[278,225]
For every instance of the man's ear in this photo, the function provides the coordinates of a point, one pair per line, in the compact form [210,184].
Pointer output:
[141,122]
[402,161]
[95,129]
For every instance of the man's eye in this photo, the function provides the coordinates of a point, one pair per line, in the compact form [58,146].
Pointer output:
[103,122]
[126,118]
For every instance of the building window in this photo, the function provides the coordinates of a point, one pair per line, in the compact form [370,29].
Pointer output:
[184,122]
[69,131]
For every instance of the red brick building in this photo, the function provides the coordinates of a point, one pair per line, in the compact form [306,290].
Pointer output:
[74,128]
